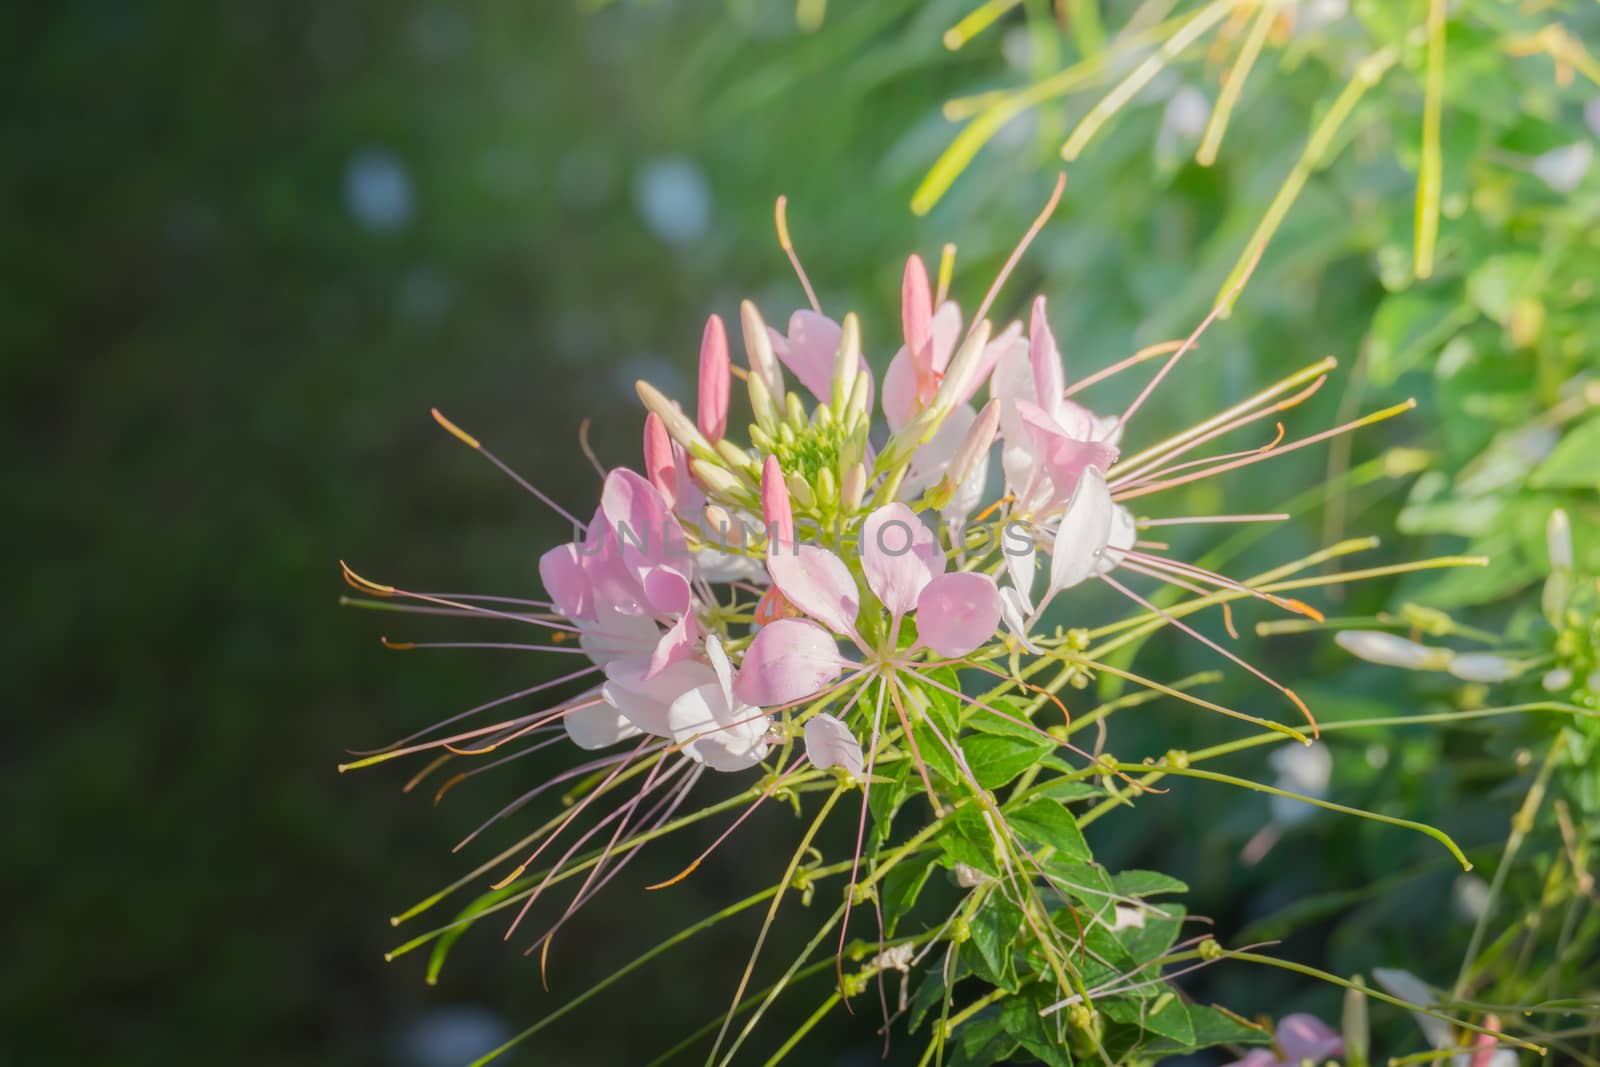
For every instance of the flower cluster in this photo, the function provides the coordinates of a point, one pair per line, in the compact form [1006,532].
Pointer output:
[821,597]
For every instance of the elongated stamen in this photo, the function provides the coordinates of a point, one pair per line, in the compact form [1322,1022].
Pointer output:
[508,698]
[649,823]
[568,775]
[472,442]
[653,780]
[377,589]
[1289,604]
[577,810]
[545,619]
[1160,473]
[457,779]
[1128,471]
[772,787]
[1016,253]
[1170,579]
[1189,343]
[1228,417]
[1199,520]
[916,753]
[781,216]
[502,646]
[1204,640]
[540,722]
[1144,355]
[861,837]
[481,731]
[1355,424]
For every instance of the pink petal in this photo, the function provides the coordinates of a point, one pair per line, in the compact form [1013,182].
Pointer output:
[659,463]
[714,380]
[829,744]
[900,385]
[789,660]
[1302,1037]
[775,507]
[613,636]
[1256,1058]
[1084,530]
[899,556]
[808,351]
[644,698]
[640,517]
[676,645]
[958,613]
[1062,456]
[1010,339]
[818,583]
[1048,379]
[561,571]
[916,314]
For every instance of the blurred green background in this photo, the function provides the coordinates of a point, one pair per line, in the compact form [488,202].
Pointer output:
[250,244]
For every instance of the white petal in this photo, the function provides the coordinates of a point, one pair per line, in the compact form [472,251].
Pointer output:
[598,727]
[1391,650]
[1084,532]
[1483,667]
[829,744]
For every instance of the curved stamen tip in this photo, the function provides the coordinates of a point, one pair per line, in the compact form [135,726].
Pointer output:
[451,784]
[363,584]
[1300,607]
[507,880]
[1316,731]
[461,435]
[675,879]
[780,214]
[397,646]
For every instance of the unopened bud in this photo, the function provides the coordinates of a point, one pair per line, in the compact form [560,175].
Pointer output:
[974,448]
[736,457]
[795,411]
[1375,646]
[775,506]
[660,466]
[715,380]
[963,366]
[846,360]
[800,490]
[853,488]
[761,403]
[758,346]
[1558,540]
[1483,667]
[679,428]
[718,480]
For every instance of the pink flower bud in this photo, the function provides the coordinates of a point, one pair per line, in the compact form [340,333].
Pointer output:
[1048,381]
[714,380]
[916,315]
[775,508]
[660,466]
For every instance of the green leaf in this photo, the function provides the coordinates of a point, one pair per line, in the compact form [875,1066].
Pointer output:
[969,843]
[1575,464]
[1165,1015]
[1212,1027]
[1498,281]
[994,928]
[995,761]
[1048,822]
[1147,883]
[884,799]
[901,887]
[1044,1038]
[982,1041]
[989,720]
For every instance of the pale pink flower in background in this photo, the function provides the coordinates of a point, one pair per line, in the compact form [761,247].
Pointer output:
[1297,1039]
